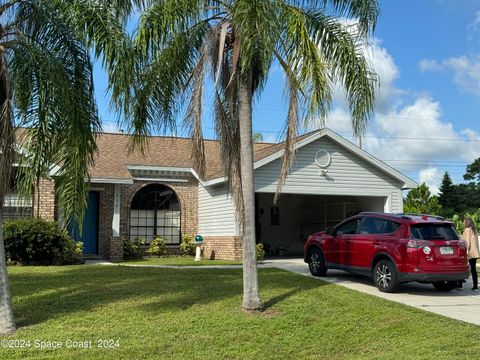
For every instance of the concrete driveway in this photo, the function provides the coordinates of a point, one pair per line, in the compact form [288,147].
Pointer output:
[461,304]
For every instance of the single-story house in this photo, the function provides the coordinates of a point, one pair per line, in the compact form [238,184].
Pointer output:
[159,193]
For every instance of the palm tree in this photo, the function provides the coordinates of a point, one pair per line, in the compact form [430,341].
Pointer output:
[257,137]
[46,83]
[180,42]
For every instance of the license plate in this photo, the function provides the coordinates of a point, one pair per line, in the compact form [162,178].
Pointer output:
[446,250]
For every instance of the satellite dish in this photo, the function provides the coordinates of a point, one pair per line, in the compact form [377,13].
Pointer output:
[323,160]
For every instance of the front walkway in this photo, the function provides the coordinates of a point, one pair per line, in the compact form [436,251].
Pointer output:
[459,304]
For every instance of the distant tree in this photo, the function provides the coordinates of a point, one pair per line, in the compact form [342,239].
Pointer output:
[467,198]
[447,197]
[257,137]
[421,200]
[473,171]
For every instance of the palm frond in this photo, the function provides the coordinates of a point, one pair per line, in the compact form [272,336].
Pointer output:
[162,81]
[304,62]
[291,133]
[364,11]
[59,110]
[257,24]
[165,18]
[193,118]
[342,60]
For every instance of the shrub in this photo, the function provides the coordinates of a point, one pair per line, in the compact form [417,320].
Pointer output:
[40,242]
[158,247]
[260,252]
[132,249]
[458,220]
[188,246]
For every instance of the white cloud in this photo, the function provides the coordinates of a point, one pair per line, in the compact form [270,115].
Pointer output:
[419,132]
[387,72]
[429,65]
[406,127]
[475,23]
[431,177]
[339,120]
[466,72]
[465,69]
[110,127]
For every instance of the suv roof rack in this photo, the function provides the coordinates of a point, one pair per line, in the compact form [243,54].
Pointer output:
[429,215]
[407,216]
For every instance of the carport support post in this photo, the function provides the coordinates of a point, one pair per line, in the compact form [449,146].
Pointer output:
[251,298]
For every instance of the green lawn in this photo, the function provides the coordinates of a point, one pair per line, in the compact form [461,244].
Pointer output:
[195,314]
[180,261]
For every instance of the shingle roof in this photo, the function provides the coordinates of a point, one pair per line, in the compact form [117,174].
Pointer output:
[112,158]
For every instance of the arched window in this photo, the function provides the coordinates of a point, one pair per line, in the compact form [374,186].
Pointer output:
[155,211]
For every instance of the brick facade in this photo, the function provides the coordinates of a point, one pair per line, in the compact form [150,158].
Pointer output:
[44,199]
[106,246]
[223,248]
[110,247]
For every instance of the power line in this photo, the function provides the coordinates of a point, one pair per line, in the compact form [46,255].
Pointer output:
[375,136]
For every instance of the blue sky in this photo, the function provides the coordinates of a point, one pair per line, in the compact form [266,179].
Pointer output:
[427,56]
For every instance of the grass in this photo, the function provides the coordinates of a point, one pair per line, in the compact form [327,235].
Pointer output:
[195,314]
[180,261]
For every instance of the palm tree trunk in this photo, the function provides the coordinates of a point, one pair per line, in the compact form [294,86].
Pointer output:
[7,321]
[251,298]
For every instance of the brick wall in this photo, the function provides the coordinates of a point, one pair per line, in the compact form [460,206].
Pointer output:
[105,217]
[44,199]
[110,247]
[223,248]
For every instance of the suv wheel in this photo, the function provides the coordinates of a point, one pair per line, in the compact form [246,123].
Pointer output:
[445,285]
[385,276]
[316,263]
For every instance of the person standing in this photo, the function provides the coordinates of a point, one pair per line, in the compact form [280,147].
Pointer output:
[471,238]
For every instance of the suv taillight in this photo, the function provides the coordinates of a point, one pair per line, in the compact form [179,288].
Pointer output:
[462,243]
[412,244]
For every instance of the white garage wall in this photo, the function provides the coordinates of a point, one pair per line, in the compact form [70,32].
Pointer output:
[396,201]
[347,175]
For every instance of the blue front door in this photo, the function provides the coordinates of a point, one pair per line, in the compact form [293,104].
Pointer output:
[89,235]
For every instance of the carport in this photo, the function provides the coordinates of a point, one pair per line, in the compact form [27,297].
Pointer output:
[330,180]
[284,227]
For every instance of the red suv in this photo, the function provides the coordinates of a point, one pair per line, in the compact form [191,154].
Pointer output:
[392,249]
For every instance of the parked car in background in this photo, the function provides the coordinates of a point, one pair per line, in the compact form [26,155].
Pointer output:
[391,249]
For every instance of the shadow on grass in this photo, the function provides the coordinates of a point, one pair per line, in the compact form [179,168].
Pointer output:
[41,294]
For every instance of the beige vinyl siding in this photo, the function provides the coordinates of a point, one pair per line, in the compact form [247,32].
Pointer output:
[216,212]
[347,174]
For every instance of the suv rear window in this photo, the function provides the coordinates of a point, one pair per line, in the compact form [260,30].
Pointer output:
[433,232]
